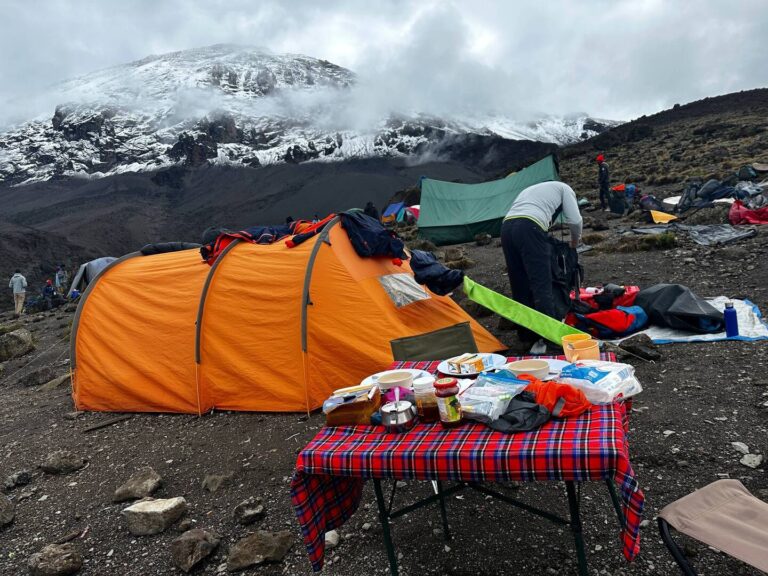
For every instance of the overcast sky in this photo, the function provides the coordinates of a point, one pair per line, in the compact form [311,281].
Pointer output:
[611,58]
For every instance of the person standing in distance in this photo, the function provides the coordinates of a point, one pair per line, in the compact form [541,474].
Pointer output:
[603,181]
[527,249]
[19,286]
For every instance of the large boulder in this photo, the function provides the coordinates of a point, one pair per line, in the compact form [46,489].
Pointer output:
[15,344]
[7,511]
[55,560]
[62,462]
[259,548]
[192,547]
[149,516]
[142,484]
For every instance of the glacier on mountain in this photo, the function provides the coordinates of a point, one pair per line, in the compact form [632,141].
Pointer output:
[235,105]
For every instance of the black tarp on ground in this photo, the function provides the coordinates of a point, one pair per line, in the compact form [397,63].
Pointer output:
[675,306]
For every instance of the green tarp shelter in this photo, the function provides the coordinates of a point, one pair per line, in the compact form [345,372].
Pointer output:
[452,213]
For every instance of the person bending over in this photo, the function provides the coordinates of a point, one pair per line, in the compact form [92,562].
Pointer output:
[527,248]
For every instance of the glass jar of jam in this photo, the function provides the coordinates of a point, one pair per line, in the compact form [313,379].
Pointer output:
[447,392]
[426,402]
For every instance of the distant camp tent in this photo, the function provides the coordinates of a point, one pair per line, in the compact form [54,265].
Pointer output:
[87,272]
[399,212]
[452,213]
[266,328]
[391,212]
[407,215]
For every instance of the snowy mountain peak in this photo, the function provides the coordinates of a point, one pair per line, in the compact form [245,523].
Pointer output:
[230,104]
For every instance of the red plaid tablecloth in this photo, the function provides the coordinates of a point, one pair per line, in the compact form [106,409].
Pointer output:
[330,471]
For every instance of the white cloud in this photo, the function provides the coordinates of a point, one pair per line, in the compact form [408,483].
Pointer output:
[614,59]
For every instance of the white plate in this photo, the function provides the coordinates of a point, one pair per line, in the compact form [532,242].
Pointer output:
[497,361]
[555,367]
[373,377]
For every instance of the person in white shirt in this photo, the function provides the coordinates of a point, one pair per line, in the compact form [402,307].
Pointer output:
[527,249]
[19,285]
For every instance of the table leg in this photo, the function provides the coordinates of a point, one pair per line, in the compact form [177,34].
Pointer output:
[384,519]
[443,512]
[616,503]
[573,504]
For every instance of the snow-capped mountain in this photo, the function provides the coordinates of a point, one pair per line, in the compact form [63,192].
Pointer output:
[234,105]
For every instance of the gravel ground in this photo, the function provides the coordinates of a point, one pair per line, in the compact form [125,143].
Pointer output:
[709,394]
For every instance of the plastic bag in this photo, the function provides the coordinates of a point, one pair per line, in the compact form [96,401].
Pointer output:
[487,399]
[601,382]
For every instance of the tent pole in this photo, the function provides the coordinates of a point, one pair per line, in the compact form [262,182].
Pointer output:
[306,301]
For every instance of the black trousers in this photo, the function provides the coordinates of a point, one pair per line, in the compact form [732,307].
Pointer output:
[604,196]
[528,254]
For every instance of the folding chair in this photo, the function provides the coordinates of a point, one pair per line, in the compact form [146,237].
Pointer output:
[436,345]
[723,515]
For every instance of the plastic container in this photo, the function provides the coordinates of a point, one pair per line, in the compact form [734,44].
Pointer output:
[601,382]
[582,350]
[572,338]
[426,401]
[446,392]
[731,320]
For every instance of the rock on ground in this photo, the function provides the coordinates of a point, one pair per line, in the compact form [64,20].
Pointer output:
[483,239]
[192,547]
[213,482]
[460,264]
[55,560]
[15,344]
[56,382]
[331,539]
[142,484]
[740,447]
[150,516]
[7,510]
[184,525]
[752,460]
[258,548]
[641,345]
[37,377]
[249,511]
[62,462]
[20,478]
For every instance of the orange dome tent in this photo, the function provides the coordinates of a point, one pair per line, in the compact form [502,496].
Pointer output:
[266,328]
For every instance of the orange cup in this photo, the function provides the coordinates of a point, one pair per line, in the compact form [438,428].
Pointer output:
[565,340]
[583,350]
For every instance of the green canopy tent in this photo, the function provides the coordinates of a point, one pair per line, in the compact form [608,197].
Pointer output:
[452,213]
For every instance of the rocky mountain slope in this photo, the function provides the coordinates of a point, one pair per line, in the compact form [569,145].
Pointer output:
[705,139]
[233,105]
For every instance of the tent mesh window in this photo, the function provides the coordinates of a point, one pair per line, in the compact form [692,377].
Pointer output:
[402,289]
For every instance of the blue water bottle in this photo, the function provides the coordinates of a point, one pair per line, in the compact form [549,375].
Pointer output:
[731,321]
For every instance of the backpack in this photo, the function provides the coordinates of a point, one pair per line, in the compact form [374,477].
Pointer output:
[566,275]
[609,297]
[608,324]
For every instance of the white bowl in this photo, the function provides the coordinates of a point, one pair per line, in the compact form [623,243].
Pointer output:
[399,378]
[537,368]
